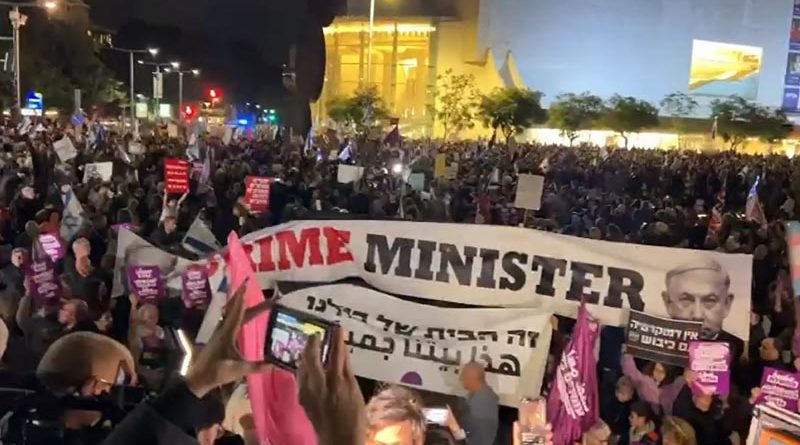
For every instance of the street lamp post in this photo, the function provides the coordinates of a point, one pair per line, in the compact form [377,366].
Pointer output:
[157,74]
[195,72]
[18,20]
[131,52]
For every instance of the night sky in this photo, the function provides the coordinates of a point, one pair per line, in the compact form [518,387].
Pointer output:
[268,24]
[239,44]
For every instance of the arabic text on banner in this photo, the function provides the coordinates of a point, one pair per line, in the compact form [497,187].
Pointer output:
[397,341]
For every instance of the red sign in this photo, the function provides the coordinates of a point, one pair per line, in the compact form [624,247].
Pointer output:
[176,175]
[257,193]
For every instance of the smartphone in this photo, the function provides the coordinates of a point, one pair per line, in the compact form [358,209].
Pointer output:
[288,333]
[533,421]
[435,416]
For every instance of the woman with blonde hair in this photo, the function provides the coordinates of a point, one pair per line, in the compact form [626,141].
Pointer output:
[676,431]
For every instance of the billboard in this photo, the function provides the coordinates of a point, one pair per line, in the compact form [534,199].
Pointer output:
[791,84]
[724,69]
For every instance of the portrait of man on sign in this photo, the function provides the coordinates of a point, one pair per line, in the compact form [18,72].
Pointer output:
[700,291]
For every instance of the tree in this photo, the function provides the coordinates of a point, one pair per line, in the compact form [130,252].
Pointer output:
[361,112]
[738,119]
[59,58]
[626,115]
[573,112]
[512,110]
[456,101]
[679,106]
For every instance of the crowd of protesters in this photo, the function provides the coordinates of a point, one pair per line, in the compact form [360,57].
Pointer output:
[673,198]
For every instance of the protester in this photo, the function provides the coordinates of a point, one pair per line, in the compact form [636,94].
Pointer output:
[679,199]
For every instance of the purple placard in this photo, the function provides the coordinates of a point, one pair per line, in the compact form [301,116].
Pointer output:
[196,290]
[780,388]
[146,283]
[45,286]
[129,226]
[52,246]
[711,362]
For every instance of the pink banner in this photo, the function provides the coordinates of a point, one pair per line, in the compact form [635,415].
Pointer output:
[277,413]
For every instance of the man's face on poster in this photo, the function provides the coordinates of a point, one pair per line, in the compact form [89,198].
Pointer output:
[699,295]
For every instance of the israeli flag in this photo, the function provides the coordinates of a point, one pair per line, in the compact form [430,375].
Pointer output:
[348,151]
[199,239]
[73,220]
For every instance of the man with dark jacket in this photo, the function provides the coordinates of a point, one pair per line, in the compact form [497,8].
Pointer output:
[12,277]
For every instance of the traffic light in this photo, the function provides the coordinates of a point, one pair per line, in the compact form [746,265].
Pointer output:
[212,93]
[189,112]
[271,116]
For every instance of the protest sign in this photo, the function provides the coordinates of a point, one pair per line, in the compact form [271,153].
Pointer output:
[42,277]
[452,171]
[417,181]
[660,339]
[711,362]
[349,173]
[779,388]
[486,265]
[176,175]
[397,341]
[132,250]
[529,192]
[216,131]
[440,165]
[227,135]
[146,283]
[256,194]
[196,291]
[64,149]
[52,246]
[172,131]
[136,148]
[101,170]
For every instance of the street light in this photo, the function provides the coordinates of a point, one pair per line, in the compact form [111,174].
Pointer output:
[131,52]
[18,20]
[157,94]
[194,71]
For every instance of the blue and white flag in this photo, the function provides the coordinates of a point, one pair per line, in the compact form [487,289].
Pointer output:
[348,151]
[199,239]
[309,146]
[73,219]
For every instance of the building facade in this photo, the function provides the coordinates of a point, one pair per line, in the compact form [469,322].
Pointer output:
[642,48]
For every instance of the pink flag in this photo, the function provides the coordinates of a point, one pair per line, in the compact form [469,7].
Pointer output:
[277,413]
[572,405]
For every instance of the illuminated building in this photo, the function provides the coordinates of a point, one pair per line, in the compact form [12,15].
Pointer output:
[646,49]
[413,42]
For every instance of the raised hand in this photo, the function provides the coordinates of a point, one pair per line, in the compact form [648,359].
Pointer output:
[219,362]
[331,397]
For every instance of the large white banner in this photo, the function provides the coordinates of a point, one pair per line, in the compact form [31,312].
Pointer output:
[396,341]
[510,267]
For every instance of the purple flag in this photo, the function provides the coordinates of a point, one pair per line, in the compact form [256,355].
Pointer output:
[711,362]
[146,283]
[43,281]
[779,388]
[572,405]
[196,290]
